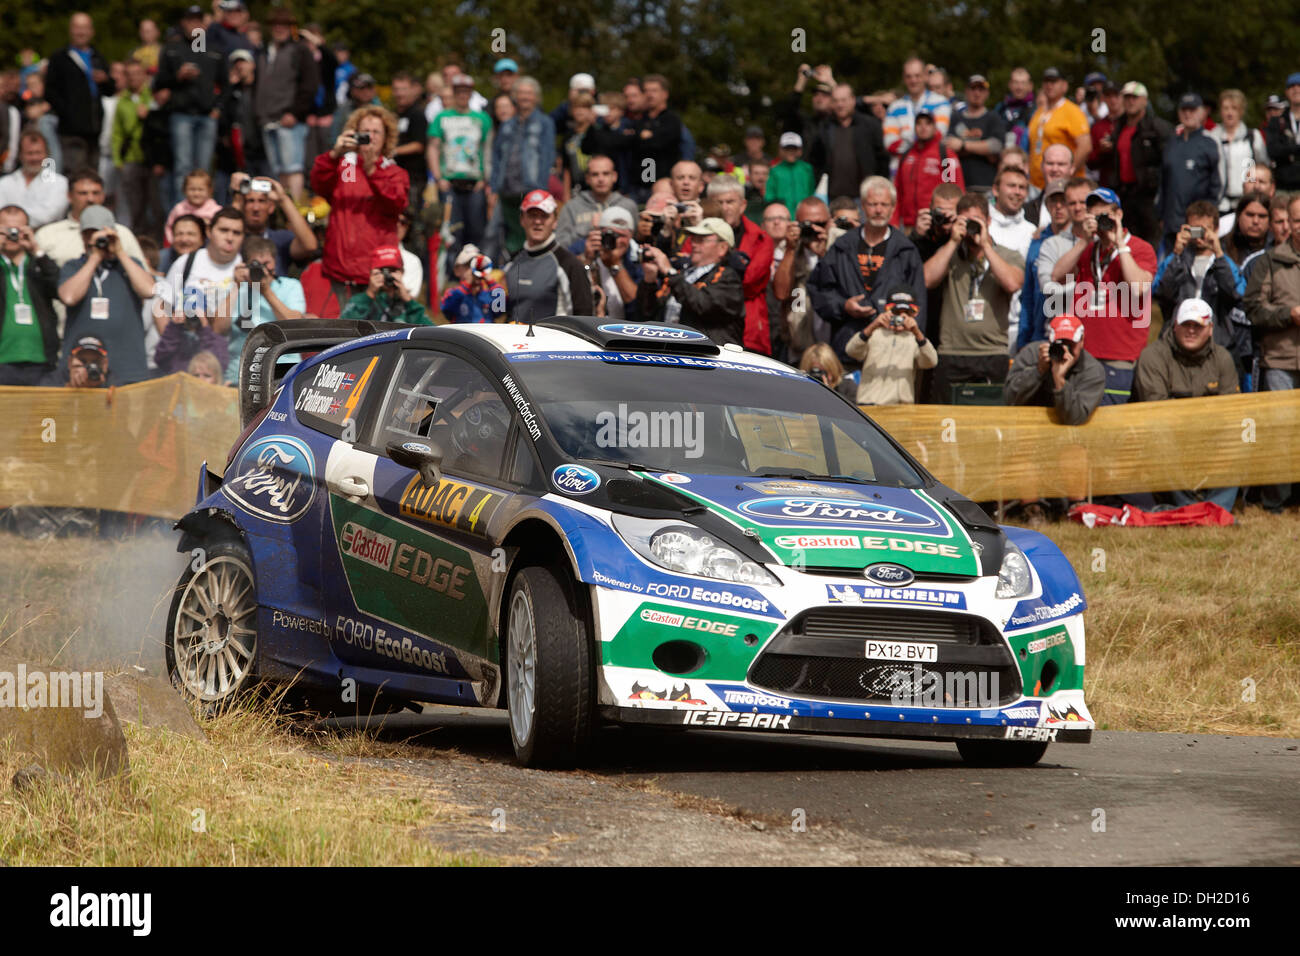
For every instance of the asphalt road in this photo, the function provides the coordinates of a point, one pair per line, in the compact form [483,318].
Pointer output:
[1124,799]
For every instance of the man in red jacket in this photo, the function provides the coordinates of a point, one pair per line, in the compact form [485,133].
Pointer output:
[758,247]
[367,192]
[925,165]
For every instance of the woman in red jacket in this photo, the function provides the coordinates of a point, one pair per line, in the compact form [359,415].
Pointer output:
[367,192]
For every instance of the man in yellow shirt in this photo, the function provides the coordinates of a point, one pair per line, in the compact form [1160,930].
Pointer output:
[1057,122]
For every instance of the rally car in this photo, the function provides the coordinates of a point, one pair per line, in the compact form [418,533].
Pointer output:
[590,522]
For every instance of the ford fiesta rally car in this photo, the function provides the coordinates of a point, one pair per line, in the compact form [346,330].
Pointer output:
[590,523]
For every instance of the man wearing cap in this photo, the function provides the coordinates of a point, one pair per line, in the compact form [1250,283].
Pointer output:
[1140,137]
[287,78]
[802,244]
[791,180]
[709,296]
[476,297]
[1112,270]
[1058,122]
[924,166]
[361,92]
[504,72]
[849,147]
[793,118]
[612,269]
[29,327]
[187,83]
[580,213]
[1188,364]
[1191,167]
[580,84]
[385,299]
[459,145]
[1283,138]
[523,152]
[35,185]
[227,34]
[544,279]
[975,136]
[900,119]
[1033,298]
[754,263]
[1066,378]
[891,349]
[104,294]
[239,142]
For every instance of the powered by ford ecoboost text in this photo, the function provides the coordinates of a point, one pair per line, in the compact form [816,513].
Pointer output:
[591,523]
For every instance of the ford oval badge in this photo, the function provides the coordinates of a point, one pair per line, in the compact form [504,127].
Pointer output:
[889,575]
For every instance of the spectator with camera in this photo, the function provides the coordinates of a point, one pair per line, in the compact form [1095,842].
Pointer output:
[258,198]
[607,254]
[459,146]
[61,239]
[1057,373]
[29,327]
[922,168]
[849,147]
[848,285]
[802,246]
[523,152]
[200,286]
[709,296]
[1191,167]
[545,279]
[793,117]
[1188,364]
[183,337]
[754,262]
[979,279]
[274,298]
[1112,270]
[367,193]
[819,363]
[476,297]
[287,81]
[190,75]
[385,298]
[104,291]
[35,185]
[581,213]
[891,349]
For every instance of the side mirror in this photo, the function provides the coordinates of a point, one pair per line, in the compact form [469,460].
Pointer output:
[426,459]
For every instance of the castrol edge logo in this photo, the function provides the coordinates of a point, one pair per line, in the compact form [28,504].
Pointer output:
[368,546]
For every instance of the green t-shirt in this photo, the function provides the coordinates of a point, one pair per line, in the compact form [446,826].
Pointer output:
[19,341]
[464,138]
[981,330]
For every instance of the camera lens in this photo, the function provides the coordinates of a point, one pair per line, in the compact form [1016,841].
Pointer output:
[363,139]
[14,234]
[608,239]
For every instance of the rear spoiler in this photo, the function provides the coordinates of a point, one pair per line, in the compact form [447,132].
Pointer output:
[266,343]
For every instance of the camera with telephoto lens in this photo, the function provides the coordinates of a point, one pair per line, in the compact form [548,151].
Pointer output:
[256,271]
[14,234]
[1056,351]
[608,239]
[363,139]
[1105,223]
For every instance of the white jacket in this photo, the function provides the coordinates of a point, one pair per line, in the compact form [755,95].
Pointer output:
[1236,157]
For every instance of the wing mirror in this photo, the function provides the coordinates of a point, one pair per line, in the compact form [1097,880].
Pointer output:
[426,459]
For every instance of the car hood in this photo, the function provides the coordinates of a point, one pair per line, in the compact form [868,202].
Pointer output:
[835,525]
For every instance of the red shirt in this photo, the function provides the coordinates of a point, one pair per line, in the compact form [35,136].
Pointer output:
[1116,318]
[1125,147]
[921,170]
[363,212]
[754,242]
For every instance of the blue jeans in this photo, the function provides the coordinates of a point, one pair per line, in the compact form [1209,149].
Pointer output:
[286,147]
[1223,497]
[468,219]
[193,139]
[1277,380]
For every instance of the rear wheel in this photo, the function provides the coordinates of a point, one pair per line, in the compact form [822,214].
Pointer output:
[550,685]
[211,646]
[1000,753]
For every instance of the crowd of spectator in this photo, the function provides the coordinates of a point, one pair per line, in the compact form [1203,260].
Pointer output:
[920,244]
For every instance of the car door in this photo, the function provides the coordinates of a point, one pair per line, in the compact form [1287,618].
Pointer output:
[417,558]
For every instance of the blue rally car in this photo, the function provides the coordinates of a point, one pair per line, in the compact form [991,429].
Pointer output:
[591,523]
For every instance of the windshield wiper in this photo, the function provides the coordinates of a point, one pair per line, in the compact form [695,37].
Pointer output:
[626,465]
[790,474]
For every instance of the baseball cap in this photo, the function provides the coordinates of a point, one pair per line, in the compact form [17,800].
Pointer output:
[1274,102]
[538,199]
[1104,195]
[1134,88]
[386,257]
[1110,86]
[1190,101]
[1064,328]
[462,79]
[237,55]
[1293,79]
[192,12]
[900,297]
[791,139]
[95,218]
[467,254]
[977,79]
[230,6]
[713,226]
[90,342]
[1055,188]
[582,81]
[505,64]
[1194,310]
[926,113]
[1052,73]
[358,80]
[1094,77]
[753,132]
[616,217]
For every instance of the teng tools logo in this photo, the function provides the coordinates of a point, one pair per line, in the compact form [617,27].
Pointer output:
[368,546]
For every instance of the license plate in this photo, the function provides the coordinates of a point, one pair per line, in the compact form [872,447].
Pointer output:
[902,651]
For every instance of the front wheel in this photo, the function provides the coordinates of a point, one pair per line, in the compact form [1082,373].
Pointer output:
[549,670]
[1000,753]
[211,645]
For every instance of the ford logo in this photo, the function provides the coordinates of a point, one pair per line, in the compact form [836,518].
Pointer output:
[416,448]
[836,511]
[274,479]
[575,479]
[890,575]
[655,332]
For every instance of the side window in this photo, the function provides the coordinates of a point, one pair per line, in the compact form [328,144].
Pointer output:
[447,403]
[330,395]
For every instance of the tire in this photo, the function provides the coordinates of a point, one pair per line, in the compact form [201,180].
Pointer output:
[211,643]
[1000,753]
[550,681]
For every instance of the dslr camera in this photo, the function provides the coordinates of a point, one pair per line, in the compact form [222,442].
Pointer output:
[608,239]
[256,271]
[938,219]
[844,222]
[1105,222]
[390,277]
[1056,351]
[808,232]
[103,242]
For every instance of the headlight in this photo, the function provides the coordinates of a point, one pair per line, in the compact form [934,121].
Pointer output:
[688,550]
[1014,577]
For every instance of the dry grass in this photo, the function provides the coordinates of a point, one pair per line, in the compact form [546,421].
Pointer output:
[1180,617]
[267,796]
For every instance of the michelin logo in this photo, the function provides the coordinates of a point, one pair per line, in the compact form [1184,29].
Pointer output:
[857,593]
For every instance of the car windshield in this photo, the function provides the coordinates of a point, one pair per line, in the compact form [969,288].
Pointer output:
[700,417]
